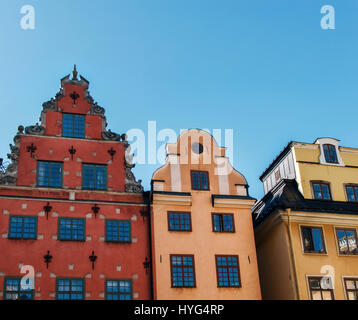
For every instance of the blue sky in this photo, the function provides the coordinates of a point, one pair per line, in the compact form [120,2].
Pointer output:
[263,68]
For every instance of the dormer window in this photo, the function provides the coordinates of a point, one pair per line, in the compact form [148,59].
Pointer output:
[330,153]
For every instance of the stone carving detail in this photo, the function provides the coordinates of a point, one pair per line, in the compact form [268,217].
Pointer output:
[10,175]
[131,185]
[96,109]
[109,135]
[36,129]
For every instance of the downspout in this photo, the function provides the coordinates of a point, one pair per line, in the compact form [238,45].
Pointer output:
[291,253]
[149,199]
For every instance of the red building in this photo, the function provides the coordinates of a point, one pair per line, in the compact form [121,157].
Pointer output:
[70,207]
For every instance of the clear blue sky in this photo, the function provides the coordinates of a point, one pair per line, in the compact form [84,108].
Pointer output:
[263,68]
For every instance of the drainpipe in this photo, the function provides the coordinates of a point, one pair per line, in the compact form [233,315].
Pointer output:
[149,199]
[291,253]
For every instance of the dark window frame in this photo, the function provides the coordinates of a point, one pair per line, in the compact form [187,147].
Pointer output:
[37,174]
[354,186]
[321,289]
[227,267]
[69,292]
[71,218]
[350,290]
[73,125]
[339,248]
[322,239]
[332,154]
[95,181]
[22,238]
[320,183]
[119,294]
[200,187]
[179,213]
[19,289]
[222,222]
[172,273]
[118,221]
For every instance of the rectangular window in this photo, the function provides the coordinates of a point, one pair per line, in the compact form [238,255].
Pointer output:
[71,229]
[199,180]
[330,153]
[119,289]
[73,125]
[352,193]
[321,191]
[13,290]
[70,289]
[223,222]
[179,221]
[182,271]
[94,177]
[227,270]
[347,241]
[320,288]
[118,231]
[351,287]
[49,174]
[22,227]
[313,241]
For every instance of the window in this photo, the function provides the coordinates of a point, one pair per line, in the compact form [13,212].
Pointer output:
[118,289]
[118,231]
[330,154]
[197,148]
[179,221]
[227,270]
[70,289]
[199,180]
[94,177]
[321,191]
[73,125]
[223,222]
[182,271]
[352,193]
[22,227]
[49,174]
[347,241]
[320,288]
[277,175]
[351,287]
[71,229]
[313,241]
[13,290]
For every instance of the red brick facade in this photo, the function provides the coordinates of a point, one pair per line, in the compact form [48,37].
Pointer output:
[122,199]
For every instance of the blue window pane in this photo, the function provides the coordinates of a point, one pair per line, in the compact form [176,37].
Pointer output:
[70,289]
[94,177]
[179,221]
[73,125]
[330,154]
[49,174]
[118,230]
[227,271]
[196,180]
[317,239]
[119,289]
[71,229]
[182,271]
[13,290]
[23,227]
[325,191]
[204,180]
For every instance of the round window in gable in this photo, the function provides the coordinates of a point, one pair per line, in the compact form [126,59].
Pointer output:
[197,147]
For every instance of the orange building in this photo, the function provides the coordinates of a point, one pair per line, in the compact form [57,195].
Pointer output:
[202,234]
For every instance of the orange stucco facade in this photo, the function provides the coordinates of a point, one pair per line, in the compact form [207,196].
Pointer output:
[226,193]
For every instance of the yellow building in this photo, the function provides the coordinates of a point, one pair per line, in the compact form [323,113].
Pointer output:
[202,233]
[306,224]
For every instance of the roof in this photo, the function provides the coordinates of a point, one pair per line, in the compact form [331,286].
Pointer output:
[285,195]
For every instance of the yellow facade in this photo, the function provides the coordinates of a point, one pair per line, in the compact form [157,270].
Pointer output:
[284,263]
[172,192]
